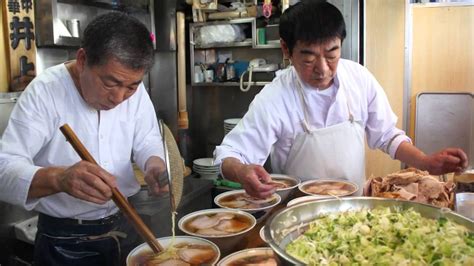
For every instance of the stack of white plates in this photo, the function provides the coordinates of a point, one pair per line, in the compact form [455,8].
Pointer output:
[230,123]
[205,168]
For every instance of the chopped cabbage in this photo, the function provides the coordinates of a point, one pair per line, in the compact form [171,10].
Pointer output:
[383,236]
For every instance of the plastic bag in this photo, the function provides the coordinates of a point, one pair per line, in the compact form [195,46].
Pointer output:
[213,34]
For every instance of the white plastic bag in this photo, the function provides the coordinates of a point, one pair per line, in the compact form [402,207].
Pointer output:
[213,34]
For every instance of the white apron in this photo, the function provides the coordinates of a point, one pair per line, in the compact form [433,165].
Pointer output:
[335,152]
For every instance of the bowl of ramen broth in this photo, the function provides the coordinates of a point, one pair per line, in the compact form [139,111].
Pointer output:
[285,184]
[185,249]
[240,200]
[224,227]
[254,256]
[335,188]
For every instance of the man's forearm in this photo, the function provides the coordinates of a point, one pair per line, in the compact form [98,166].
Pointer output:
[45,182]
[230,168]
[411,155]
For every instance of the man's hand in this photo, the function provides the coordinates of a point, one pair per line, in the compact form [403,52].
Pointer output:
[156,176]
[252,177]
[88,182]
[446,161]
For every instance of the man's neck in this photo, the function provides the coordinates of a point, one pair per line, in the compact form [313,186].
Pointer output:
[72,69]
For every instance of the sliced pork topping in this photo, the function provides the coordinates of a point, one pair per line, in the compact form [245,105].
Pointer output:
[204,221]
[412,184]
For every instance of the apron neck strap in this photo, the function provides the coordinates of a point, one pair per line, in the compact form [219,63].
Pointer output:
[299,88]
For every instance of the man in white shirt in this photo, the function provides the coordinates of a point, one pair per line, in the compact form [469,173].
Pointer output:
[102,97]
[313,117]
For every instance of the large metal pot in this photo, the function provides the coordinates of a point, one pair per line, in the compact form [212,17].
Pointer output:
[283,226]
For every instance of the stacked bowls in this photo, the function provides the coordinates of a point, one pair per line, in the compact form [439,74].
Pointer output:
[229,124]
[205,168]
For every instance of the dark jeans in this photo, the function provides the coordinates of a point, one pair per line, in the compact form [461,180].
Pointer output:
[104,242]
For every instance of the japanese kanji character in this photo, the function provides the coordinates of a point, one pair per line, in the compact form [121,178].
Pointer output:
[13,6]
[16,26]
[25,66]
[26,5]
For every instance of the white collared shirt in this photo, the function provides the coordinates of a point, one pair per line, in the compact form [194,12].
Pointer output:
[33,140]
[275,116]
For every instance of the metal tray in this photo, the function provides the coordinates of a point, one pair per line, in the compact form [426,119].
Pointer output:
[445,120]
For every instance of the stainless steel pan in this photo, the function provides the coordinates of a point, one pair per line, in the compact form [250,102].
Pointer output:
[286,225]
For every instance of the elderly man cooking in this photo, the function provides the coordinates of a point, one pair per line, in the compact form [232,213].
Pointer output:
[102,97]
[313,118]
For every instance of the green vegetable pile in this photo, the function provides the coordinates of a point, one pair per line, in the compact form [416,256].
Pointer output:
[383,236]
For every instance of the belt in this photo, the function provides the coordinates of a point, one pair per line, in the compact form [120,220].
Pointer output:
[68,221]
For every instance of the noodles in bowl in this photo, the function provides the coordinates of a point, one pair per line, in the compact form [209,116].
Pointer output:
[180,250]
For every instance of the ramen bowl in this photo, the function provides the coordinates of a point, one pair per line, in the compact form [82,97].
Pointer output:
[239,200]
[305,199]
[226,230]
[254,256]
[210,256]
[328,187]
[261,233]
[291,182]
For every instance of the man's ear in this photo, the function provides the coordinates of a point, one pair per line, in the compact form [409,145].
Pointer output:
[284,49]
[80,59]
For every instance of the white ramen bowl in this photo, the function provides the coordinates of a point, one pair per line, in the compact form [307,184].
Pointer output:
[246,253]
[285,192]
[224,242]
[301,187]
[277,200]
[304,199]
[165,241]
[262,234]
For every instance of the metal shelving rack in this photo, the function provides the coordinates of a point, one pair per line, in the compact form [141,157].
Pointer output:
[252,49]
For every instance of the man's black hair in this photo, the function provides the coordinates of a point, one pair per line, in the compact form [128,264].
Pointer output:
[310,22]
[116,35]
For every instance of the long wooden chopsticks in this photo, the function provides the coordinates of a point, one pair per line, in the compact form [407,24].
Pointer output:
[117,197]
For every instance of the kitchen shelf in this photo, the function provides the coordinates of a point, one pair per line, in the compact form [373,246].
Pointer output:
[229,84]
[267,46]
[244,51]
[130,6]
[246,43]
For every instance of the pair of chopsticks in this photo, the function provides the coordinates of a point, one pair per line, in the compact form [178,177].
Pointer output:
[117,197]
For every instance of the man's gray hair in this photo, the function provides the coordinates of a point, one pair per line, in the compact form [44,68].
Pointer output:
[116,35]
